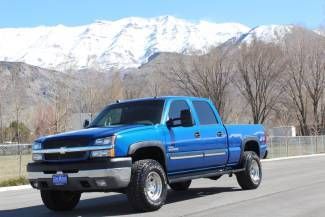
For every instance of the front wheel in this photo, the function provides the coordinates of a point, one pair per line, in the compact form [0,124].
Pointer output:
[251,177]
[60,200]
[147,189]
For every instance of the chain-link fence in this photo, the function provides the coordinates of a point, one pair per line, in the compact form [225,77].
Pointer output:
[13,160]
[283,146]
[14,157]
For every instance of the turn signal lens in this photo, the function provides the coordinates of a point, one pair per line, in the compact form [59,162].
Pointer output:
[103,153]
[37,157]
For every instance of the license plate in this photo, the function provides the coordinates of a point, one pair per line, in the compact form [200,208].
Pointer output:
[60,179]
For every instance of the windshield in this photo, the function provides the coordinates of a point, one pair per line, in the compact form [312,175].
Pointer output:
[146,112]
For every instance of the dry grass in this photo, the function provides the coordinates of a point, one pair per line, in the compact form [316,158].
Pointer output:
[14,182]
[9,166]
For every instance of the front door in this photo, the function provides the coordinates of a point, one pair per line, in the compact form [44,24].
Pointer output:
[183,144]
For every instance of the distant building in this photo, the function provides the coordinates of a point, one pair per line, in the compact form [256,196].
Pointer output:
[76,120]
[283,131]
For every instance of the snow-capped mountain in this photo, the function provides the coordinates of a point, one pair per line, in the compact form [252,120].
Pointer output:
[267,33]
[320,31]
[124,43]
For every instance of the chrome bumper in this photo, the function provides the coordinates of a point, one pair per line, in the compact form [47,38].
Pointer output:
[121,175]
[82,176]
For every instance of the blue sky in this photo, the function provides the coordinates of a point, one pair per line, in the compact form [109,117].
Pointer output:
[27,13]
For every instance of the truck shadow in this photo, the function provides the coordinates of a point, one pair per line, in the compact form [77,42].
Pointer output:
[112,205]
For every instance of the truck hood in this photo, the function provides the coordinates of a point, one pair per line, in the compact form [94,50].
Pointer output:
[92,133]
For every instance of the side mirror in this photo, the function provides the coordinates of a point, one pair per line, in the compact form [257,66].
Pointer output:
[186,118]
[86,123]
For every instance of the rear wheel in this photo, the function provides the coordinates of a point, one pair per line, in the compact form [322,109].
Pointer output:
[60,200]
[251,177]
[147,190]
[180,186]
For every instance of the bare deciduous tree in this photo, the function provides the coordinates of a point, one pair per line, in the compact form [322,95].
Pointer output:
[44,120]
[259,69]
[97,89]
[315,79]
[306,79]
[61,107]
[203,76]
[18,87]
[3,91]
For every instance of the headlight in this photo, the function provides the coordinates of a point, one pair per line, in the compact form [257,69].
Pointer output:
[36,146]
[108,152]
[105,141]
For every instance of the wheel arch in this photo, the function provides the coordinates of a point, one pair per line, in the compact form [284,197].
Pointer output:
[149,150]
[251,144]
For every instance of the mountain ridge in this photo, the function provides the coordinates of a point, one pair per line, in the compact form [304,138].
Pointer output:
[125,43]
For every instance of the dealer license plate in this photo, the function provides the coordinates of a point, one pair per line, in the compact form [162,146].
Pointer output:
[60,179]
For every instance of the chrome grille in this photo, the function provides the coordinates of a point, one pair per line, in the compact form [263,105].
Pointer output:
[68,143]
[67,156]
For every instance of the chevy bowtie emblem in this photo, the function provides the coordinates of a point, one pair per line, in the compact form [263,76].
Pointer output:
[63,150]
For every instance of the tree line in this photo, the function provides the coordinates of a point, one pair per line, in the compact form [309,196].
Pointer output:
[275,84]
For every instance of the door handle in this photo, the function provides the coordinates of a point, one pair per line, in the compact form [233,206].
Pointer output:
[220,134]
[197,135]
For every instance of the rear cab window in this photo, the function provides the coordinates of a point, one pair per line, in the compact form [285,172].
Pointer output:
[204,112]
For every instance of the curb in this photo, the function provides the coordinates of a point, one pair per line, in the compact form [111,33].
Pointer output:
[293,157]
[15,188]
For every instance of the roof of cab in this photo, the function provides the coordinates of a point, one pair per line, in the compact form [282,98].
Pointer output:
[164,98]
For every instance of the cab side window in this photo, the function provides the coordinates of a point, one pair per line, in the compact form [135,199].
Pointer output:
[176,109]
[205,113]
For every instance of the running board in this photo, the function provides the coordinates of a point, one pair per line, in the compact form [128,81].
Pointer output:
[201,174]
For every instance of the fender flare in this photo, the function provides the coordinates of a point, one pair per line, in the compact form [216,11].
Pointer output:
[246,140]
[146,144]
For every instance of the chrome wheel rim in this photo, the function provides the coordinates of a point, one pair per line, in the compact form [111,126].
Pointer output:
[254,172]
[153,187]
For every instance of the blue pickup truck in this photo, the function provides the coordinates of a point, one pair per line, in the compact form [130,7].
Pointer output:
[139,147]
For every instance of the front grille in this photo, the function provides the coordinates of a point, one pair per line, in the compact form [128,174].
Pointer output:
[68,143]
[67,156]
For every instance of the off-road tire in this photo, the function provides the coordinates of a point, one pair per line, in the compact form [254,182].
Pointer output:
[60,200]
[136,191]
[244,178]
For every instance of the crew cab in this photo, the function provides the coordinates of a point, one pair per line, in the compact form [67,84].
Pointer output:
[139,147]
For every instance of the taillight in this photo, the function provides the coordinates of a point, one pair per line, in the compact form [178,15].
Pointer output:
[263,139]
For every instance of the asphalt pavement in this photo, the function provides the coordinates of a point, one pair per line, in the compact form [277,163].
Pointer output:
[293,187]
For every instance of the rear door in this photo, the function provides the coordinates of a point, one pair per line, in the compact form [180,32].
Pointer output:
[213,135]
[183,143]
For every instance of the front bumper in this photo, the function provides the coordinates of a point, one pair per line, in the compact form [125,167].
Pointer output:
[82,176]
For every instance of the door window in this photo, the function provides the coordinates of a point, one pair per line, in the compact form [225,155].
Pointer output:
[205,113]
[176,109]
